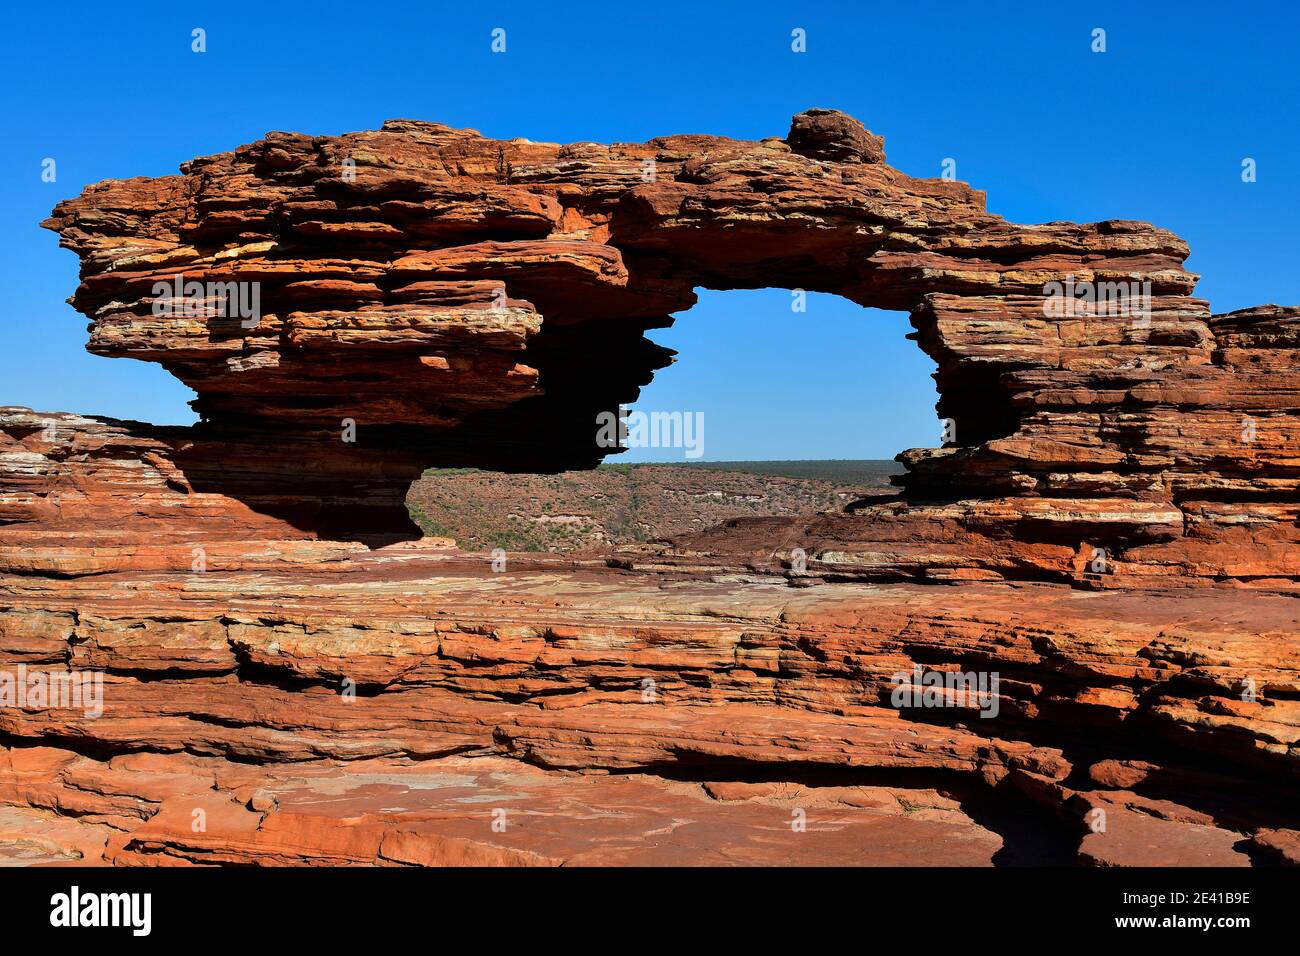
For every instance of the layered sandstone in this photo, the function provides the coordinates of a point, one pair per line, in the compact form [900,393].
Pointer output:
[466,301]
[1117,511]
[376,671]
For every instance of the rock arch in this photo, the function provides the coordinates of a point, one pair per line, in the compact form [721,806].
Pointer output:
[469,301]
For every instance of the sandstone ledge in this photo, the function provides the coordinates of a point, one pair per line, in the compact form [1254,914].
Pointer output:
[1103,700]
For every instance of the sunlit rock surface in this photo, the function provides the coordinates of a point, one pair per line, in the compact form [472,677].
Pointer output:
[1111,532]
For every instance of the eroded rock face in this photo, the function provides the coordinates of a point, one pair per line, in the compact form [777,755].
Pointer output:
[430,277]
[468,301]
[307,710]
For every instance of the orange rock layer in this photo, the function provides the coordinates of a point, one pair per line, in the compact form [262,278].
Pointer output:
[286,680]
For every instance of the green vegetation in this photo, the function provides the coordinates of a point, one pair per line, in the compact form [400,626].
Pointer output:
[836,471]
[626,502]
[511,539]
[430,527]
[449,471]
[840,471]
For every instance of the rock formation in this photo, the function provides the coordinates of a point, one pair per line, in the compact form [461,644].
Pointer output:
[1117,509]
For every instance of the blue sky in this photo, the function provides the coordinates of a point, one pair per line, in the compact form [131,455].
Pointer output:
[1155,128]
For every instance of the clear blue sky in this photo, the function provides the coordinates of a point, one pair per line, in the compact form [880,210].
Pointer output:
[1155,128]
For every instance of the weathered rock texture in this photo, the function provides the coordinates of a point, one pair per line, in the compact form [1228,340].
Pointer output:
[474,301]
[470,301]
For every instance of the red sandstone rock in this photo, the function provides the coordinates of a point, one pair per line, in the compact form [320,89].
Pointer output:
[464,300]
[425,283]
[1284,845]
[1136,839]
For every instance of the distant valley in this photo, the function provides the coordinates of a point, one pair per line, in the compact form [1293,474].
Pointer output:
[619,504]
